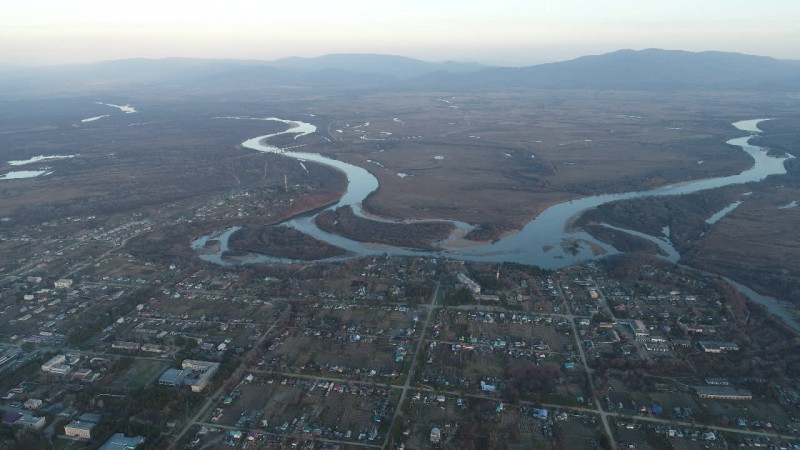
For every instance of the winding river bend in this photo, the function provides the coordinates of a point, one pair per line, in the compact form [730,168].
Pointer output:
[546,241]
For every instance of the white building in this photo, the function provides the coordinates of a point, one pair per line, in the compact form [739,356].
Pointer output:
[718,346]
[125,345]
[60,364]
[61,369]
[52,362]
[154,348]
[639,329]
[473,287]
[63,283]
[723,393]
[32,403]
[436,435]
[79,429]
[199,373]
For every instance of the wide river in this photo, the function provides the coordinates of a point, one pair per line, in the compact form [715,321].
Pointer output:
[546,241]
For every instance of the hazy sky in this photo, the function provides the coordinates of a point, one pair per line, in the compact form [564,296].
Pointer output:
[507,32]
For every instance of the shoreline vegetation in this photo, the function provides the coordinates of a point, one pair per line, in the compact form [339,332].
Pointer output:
[763,258]
[282,242]
[421,235]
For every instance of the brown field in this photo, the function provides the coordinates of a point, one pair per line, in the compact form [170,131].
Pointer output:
[121,168]
[492,159]
[766,255]
[486,173]
[495,158]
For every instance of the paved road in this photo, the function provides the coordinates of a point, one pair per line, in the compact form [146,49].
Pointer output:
[413,368]
[586,368]
[407,386]
[631,417]
[318,439]
[603,414]
[323,378]
[235,376]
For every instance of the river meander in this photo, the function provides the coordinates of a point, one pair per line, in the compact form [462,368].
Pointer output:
[547,241]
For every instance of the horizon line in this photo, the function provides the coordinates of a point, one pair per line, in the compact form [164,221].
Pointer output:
[396,55]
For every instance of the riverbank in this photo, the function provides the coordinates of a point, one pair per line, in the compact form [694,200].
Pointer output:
[547,241]
[545,231]
[416,235]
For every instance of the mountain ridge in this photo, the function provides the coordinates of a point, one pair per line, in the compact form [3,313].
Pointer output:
[652,69]
[648,69]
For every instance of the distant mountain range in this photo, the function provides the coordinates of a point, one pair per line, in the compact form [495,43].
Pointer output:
[388,65]
[651,69]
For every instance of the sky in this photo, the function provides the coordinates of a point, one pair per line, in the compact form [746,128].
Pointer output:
[501,32]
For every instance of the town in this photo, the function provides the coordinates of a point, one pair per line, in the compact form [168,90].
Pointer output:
[102,346]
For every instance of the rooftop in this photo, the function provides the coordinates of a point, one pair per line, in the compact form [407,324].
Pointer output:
[121,442]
